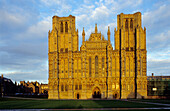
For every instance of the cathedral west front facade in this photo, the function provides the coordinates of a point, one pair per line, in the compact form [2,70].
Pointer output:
[97,70]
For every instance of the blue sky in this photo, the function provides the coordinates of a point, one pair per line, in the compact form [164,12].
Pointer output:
[24,26]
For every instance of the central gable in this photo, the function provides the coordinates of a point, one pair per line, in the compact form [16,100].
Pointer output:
[96,36]
[96,41]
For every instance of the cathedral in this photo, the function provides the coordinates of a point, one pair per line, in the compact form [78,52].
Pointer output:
[97,70]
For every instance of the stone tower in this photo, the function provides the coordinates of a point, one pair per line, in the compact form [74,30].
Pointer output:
[130,41]
[62,39]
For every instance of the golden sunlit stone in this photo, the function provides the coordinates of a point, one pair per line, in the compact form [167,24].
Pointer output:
[94,71]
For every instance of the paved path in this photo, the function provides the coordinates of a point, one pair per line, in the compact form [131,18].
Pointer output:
[24,98]
[87,109]
[161,104]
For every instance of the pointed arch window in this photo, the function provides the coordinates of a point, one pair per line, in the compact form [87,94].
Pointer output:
[103,65]
[66,87]
[96,66]
[62,87]
[53,65]
[126,24]
[131,24]
[80,87]
[90,67]
[66,27]
[76,87]
[61,27]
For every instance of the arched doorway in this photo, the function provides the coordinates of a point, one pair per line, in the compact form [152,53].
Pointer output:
[96,93]
[115,95]
[78,96]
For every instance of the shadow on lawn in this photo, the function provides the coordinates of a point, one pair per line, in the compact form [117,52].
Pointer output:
[122,104]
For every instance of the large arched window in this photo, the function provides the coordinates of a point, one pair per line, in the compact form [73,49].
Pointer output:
[126,24]
[90,67]
[96,66]
[66,27]
[61,27]
[131,24]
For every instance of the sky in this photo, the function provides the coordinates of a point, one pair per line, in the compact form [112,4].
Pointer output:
[24,26]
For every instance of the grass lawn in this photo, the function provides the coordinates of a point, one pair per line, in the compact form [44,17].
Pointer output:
[11,103]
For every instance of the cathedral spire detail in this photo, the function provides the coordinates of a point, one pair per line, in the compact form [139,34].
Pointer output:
[95,28]
[108,33]
[83,34]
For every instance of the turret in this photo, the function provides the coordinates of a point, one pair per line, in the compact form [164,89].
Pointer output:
[83,34]
[108,33]
[95,28]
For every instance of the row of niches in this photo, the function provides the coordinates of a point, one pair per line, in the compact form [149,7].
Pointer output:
[100,75]
[87,86]
[65,87]
[64,50]
[129,49]
[100,69]
[127,87]
[113,86]
[96,72]
[78,71]
[131,87]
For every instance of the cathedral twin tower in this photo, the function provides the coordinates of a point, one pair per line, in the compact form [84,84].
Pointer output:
[97,71]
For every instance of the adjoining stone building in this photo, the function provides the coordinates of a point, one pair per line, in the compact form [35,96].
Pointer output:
[30,87]
[33,88]
[7,87]
[43,89]
[97,70]
[158,87]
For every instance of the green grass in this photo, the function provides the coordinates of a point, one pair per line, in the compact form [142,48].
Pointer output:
[9,103]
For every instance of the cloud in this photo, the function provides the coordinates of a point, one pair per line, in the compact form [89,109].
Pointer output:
[12,22]
[159,67]
[159,42]
[83,9]
[122,5]
[27,45]
[36,75]
[60,7]
[51,2]
[23,34]
[157,20]
[100,13]
[25,69]
[36,31]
